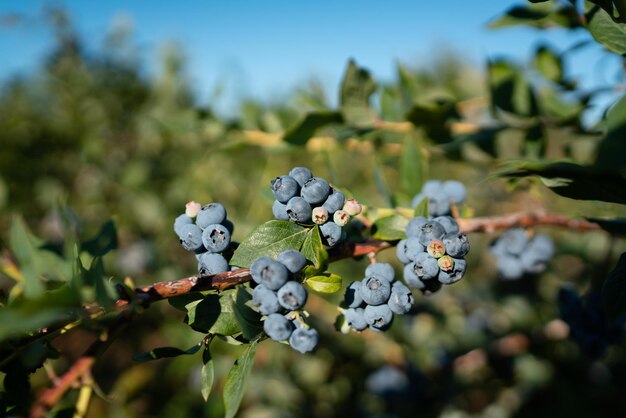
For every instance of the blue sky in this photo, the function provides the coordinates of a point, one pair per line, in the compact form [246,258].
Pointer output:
[265,49]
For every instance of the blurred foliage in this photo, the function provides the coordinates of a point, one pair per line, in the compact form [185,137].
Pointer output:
[92,132]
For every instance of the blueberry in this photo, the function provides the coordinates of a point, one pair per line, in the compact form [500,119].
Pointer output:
[414,227]
[431,186]
[292,295]
[284,188]
[301,174]
[401,299]
[279,210]
[352,297]
[413,248]
[271,273]
[510,267]
[449,224]
[375,291]
[355,318]
[378,317]
[457,273]
[446,263]
[457,245]
[426,267]
[304,340]
[213,213]
[277,327]
[334,201]
[436,249]
[387,381]
[331,232]
[514,240]
[401,252]
[315,190]
[543,245]
[212,263]
[455,190]
[229,226]
[341,217]
[438,204]
[429,231]
[533,262]
[381,271]
[181,221]
[265,299]
[216,238]
[319,215]
[190,237]
[411,278]
[298,210]
[292,259]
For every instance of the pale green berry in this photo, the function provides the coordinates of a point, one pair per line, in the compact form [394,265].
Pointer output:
[341,217]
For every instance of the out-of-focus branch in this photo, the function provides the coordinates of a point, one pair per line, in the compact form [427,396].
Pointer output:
[524,220]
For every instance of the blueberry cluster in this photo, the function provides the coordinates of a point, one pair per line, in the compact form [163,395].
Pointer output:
[517,255]
[433,253]
[300,197]
[205,231]
[440,195]
[278,295]
[372,301]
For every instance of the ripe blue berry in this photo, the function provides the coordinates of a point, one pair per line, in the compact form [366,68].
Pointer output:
[213,213]
[375,291]
[315,190]
[414,248]
[510,267]
[455,190]
[414,227]
[355,318]
[190,237]
[388,381]
[411,278]
[277,327]
[279,210]
[212,263]
[229,226]
[284,188]
[514,240]
[401,252]
[457,245]
[378,317]
[431,186]
[449,224]
[457,273]
[298,210]
[331,232]
[352,297]
[533,262]
[301,174]
[401,299]
[304,340]
[438,203]
[216,238]
[429,231]
[426,267]
[381,271]
[292,259]
[334,201]
[181,221]
[265,299]
[292,295]
[271,273]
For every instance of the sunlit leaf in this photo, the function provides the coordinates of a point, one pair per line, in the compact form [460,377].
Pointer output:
[236,380]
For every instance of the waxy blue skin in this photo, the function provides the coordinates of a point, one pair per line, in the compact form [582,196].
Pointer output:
[213,213]
[331,233]
[212,263]
[279,210]
[378,317]
[315,190]
[292,295]
[301,174]
[284,188]
[304,340]
[352,297]
[375,291]
[401,299]
[277,327]
[216,238]
[334,201]
[180,221]
[355,318]
[268,272]
[292,259]
[299,210]
[190,237]
[265,299]
[381,270]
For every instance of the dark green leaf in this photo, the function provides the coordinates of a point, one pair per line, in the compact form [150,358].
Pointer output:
[604,29]
[325,283]
[356,88]
[166,352]
[422,208]
[510,90]
[614,290]
[24,246]
[208,374]
[313,249]
[103,242]
[434,119]
[549,64]
[302,131]
[180,302]
[390,228]
[614,226]
[412,166]
[576,181]
[236,381]
[248,319]
[538,17]
[269,239]
[213,314]
[612,148]
[95,277]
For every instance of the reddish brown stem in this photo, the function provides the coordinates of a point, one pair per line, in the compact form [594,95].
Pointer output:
[524,220]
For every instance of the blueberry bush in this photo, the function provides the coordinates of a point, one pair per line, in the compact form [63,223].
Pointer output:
[351,262]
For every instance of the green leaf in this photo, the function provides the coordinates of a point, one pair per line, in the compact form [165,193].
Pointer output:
[24,247]
[302,131]
[208,374]
[614,290]
[412,166]
[538,16]
[576,181]
[549,64]
[611,34]
[103,242]
[180,302]
[510,90]
[95,277]
[213,314]
[422,208]
[612,148]
[248,319]
[434,119]
[356,88]
[236,381]
[269,239]
[390,228]
[313,249]
[166,352]
[325,283]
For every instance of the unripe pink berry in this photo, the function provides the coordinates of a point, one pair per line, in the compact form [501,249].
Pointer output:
[192,208]
[352,207]
[341,217]
[319,215]
[436,249]
[446,263]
